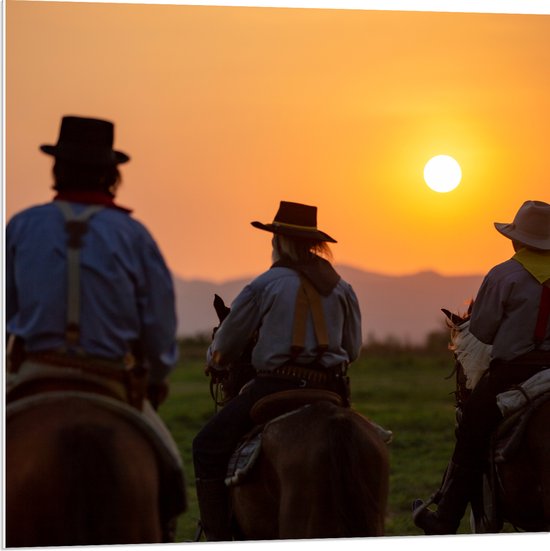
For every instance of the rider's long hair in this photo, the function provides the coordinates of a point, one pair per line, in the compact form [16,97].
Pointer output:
[299,249]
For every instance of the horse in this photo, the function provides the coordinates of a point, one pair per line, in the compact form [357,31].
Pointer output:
[516,480]
[80,469]
[322,470]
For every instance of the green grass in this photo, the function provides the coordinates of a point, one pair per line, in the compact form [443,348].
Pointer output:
[405,392]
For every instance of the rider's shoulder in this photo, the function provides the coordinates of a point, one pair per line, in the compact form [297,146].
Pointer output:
[29,212]
[277,274]
[505,269]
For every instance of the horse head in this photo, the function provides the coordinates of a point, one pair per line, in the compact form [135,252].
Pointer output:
[472,357]
[226,383]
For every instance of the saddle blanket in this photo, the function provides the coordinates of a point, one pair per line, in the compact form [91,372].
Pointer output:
[509,434]
[244,457]
[513,400]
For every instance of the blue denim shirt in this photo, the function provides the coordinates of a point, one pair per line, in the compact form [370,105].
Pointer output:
[267,304]
[126,289]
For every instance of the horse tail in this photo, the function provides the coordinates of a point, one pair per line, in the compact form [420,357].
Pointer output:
[358,474]
[91,473]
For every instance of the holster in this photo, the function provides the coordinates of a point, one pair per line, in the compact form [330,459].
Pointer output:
[136,385]
[132,377]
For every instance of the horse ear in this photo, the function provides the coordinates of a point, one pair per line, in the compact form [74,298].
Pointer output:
[221,309]
[453,318]
[447,313]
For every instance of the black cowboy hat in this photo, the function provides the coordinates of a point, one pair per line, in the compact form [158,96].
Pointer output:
[87,141]
[295,220]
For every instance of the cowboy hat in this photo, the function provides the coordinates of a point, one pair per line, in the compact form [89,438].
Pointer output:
[531,226]
[295,220]
[87,141]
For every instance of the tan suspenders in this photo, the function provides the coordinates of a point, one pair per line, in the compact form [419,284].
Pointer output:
[308,299]
[76,226]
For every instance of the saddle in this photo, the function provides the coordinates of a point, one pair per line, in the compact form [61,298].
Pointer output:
[265,411]
[54,372]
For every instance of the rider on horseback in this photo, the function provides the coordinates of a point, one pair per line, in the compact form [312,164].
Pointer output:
[88,293]
[267,308]
[510,313]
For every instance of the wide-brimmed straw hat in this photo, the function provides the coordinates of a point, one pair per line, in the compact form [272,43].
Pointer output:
[531,226]
[295,220]
[87,141]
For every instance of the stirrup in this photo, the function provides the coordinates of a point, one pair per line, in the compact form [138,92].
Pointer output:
[418,508]
[430,522]
[199,531]
[419,505]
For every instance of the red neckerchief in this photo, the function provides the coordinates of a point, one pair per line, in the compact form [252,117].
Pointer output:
[89,198]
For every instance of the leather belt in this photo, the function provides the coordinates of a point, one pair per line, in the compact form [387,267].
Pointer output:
[317,376]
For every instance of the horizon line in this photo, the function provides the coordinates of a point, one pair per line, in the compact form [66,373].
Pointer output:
[250,277]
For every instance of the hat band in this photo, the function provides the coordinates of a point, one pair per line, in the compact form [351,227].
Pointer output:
[295,226]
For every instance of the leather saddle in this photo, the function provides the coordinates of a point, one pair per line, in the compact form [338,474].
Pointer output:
[266,410]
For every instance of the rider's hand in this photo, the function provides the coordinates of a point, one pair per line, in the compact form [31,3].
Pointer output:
[214,369]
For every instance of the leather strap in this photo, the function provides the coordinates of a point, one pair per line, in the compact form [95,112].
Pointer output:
[76,226]
[308,299]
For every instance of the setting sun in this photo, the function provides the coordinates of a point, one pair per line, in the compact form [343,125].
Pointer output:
[442,173]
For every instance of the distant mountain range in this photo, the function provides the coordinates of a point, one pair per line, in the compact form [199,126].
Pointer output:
[406,308]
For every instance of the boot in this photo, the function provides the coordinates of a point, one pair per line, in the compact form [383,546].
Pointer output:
[173,501]
[214,509]
[454,497]
[169,530]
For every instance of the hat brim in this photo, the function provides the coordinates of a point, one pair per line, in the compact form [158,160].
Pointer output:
[511,232]
[293,231]
[117,157]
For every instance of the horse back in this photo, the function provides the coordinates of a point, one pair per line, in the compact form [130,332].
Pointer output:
[78,474]
[324,471]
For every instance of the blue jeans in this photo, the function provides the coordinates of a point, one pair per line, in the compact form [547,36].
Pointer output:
[215,443]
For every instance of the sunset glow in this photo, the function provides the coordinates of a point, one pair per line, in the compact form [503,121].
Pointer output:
[225,111]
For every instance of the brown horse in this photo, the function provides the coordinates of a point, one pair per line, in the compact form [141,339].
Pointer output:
[322,473]
[516,485]
[322,470]
[78,473]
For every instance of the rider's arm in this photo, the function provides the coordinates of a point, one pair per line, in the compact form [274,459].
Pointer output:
[158,316]
[236,330]
[352,334]
[11,289]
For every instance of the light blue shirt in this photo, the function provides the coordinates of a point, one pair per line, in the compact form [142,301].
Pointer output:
[126,289]
[267,304]
[506,309]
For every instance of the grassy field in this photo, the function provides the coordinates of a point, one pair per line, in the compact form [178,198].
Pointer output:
[404,391]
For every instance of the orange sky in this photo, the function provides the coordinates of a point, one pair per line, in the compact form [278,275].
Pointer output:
[225,111]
